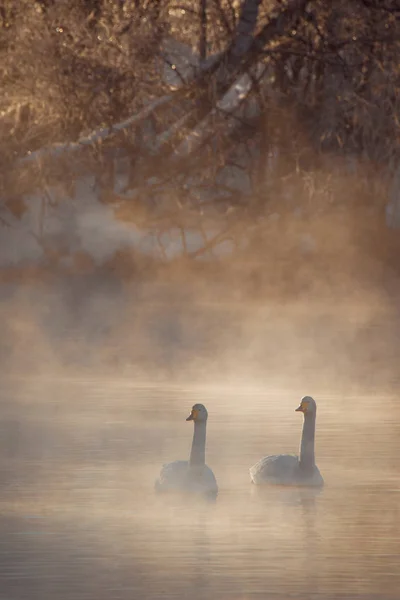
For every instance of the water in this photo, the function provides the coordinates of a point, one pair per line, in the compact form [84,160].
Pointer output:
[79,519]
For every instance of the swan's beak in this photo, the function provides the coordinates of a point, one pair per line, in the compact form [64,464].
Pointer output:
[300,408]
[193,415]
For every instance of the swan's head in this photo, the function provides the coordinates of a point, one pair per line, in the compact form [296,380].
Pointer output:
[198,414]
[307,405]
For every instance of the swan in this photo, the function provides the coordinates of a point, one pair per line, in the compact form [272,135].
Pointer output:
[192,475]
[286,469]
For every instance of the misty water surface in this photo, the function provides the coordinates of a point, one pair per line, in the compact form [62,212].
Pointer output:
[79,518]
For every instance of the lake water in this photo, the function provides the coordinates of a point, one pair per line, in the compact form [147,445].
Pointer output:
[79,518]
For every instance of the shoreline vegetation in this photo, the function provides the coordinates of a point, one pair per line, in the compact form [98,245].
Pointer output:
[230,111]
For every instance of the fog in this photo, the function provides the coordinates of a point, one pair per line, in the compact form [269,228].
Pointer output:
[98,375]
[80,517]
[198,204]
[274,314]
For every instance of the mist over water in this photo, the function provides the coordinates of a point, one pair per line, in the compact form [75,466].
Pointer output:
[161,247]
[98,378]
[80,518]
[98,375]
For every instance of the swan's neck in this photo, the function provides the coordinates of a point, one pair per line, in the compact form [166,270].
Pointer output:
[198,453]
[307,456]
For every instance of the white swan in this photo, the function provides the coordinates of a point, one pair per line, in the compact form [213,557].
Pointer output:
[286,469]
[193,475]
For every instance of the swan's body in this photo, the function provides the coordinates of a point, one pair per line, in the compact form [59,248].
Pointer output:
[179,476]
[191,475]
[286,469]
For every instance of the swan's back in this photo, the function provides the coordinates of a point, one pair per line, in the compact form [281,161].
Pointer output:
[284,469]
[179,476]
[278,468]
[172,475]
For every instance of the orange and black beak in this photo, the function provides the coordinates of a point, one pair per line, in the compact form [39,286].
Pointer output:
[300,408]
